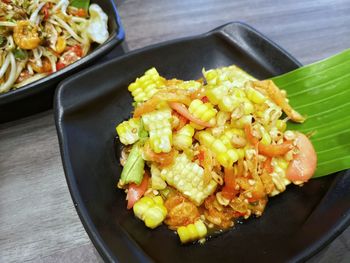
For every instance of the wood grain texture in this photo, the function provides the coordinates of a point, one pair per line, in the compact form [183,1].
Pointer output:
[38,222]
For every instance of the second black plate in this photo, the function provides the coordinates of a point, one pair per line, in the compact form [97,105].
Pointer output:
[295,224]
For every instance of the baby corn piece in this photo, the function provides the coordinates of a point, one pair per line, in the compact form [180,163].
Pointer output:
[188,178]
[192,232]
[203,111]
[189,85]
[158,124]
[128,131]
[150,210]
[226,156]
[146,86]
[227,97]
[182,139]
[157,182]
[233,74]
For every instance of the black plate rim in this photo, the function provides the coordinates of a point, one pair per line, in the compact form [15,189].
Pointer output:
[91,230]
[36,87]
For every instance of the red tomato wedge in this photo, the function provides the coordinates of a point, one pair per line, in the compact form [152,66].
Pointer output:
[135,192]
[77,49]
[182,110]
[303,166]
[60,65]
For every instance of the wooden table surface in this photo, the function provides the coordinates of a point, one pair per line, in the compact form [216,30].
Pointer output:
[38,222]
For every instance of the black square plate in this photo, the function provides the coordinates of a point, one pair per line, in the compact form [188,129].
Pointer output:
[38,96]
[295,225]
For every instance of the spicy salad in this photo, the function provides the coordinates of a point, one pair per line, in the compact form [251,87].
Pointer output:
[200,154]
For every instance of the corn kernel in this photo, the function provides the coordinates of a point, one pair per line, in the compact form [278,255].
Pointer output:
[281,125]
[150,210]
[146,86]
[188,178]
[222,118]
[189,85]
[158,123]
[254,95]
[203,111]
[232,74]
[157,182]
[128,131]
[241,122]
[225,156]
[192,232]
[182,139]
[248,107]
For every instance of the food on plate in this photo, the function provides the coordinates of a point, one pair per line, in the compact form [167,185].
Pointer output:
[39,37]
[200,154]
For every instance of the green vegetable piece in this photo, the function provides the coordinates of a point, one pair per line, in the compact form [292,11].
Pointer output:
[84,4]
[143,134]
[2,40]
[20,54]
[134,167]
[320,91]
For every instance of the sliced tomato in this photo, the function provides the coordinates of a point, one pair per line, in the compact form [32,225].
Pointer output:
[135,192]
[182,110]
[303,166]
[60,65]
[77,50]
[70,56]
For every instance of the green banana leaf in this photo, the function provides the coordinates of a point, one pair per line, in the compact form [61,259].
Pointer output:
[321,92]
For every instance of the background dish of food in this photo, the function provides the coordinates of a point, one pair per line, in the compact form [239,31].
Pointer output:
[86,120]
[37,96]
